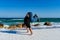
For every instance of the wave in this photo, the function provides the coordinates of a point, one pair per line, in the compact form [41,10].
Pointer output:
[17,19]
[53,23]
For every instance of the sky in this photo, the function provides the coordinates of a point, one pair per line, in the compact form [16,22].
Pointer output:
[19,8]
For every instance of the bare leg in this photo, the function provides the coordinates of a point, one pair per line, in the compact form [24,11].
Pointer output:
[30,30]
[27,30]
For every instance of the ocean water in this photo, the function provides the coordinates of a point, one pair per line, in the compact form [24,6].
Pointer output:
[50,19]
[10,21]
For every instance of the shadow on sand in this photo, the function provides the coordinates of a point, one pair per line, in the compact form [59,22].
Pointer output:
[15,32]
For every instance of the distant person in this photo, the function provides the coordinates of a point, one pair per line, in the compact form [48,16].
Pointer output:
[47,23]
[27,21]
[35,18]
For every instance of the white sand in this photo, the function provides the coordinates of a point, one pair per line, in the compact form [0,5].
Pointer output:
[39,34]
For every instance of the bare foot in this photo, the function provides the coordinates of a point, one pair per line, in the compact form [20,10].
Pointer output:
[31,33]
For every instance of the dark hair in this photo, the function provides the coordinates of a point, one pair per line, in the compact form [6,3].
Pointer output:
[30,15]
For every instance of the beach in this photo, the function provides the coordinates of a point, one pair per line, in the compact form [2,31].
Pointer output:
[38,34]
[29,20]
